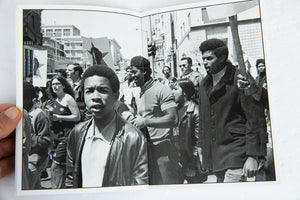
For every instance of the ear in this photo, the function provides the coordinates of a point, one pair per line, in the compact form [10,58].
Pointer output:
[117,95]
[222,58]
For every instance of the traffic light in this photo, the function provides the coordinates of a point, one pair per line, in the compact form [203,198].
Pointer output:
[151,49]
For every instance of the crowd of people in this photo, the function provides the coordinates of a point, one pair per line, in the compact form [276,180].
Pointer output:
[92,131]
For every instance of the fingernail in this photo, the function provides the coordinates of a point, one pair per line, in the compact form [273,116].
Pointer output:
[12,112]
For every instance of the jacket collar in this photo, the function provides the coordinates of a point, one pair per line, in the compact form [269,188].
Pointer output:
[117,133]
[219,90]
[191,107]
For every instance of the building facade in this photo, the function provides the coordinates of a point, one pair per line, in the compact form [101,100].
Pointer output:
[179,34]
[69,36]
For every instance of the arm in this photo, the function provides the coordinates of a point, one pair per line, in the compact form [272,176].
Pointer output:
[72,105]
[256,136]
[41,137]
[70,160]
[196,129]
[251,88]
[168,120]
[140,172]
[169,117]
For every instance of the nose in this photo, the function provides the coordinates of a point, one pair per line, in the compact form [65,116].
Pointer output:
[96,96]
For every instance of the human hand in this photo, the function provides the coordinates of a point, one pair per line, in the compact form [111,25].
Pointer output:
[250,167]
[190,172]
[248,84]
[9,118]
[55,117]
[139,122]
[242,82]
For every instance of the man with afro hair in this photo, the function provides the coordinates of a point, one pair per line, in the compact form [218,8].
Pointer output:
[232,136]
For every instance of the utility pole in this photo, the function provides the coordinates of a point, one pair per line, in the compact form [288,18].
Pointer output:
[173,51]
[151,58]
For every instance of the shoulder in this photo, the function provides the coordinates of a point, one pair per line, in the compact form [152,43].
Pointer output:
[131,132]
[195,73]
[161,88]
[82,125]
[193,107]
[39,113]
[69,99]
[80,128]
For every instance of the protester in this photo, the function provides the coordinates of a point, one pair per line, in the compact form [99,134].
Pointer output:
[129,90]
[186,133]
[123,159]
[74,72]
[232,128]
[196,77]
[64,115]
[156,111]
[40,136]
[168,79]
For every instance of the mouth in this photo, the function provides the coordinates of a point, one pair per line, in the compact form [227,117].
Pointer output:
[135,79]
[97,107]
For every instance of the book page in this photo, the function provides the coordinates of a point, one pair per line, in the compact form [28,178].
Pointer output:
[188,33]
[55,38]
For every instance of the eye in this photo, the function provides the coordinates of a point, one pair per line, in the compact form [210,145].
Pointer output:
[103,90]
[88,91]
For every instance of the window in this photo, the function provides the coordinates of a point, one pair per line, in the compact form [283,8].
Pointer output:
[58,32]
[49,32]
[67,32]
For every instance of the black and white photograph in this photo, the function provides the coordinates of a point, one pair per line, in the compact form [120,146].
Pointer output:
[115,99]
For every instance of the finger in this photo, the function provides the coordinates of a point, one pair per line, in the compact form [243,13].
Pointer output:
[8,121]
[250,174]
[7,147]
[7,165]
[4,107]
[246,173]
[240,76]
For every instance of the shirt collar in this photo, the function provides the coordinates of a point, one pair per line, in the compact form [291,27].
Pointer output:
[109,129]
[146,86]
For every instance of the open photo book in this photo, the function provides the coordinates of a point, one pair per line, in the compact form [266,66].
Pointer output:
[121,100]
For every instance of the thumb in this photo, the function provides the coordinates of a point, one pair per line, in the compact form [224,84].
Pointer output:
[9,118]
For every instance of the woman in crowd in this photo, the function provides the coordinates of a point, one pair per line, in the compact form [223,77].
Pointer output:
[64,115]
[187,131]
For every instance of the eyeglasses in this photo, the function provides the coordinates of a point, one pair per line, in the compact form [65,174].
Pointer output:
[183,65]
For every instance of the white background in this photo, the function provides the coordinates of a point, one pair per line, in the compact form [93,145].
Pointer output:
[281,26]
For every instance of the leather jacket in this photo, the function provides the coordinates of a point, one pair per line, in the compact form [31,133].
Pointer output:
[188,128]
[127,161]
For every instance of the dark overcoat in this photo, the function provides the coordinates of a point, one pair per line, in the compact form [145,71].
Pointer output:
[232,125]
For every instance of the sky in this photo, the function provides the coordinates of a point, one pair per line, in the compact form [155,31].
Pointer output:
[123,28]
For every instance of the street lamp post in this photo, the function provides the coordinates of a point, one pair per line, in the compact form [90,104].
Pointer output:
[55,50]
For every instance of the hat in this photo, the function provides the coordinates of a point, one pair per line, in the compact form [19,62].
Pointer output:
[140,62]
